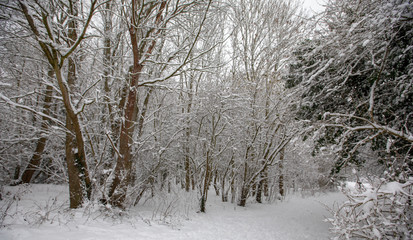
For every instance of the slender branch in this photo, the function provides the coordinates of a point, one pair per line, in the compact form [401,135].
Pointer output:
[113,145]
[188,53]
[372,125]
[10,102]
[82,35]
[33,27]
[371,101]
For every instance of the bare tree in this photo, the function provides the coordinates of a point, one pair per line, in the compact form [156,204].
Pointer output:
[58,46]
[147,23]
[264,33]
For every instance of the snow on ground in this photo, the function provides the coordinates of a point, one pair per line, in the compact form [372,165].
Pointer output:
[42,214]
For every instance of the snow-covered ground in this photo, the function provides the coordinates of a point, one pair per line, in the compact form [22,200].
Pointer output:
[42,214]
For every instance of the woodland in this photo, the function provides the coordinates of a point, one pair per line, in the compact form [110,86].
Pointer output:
[249,100]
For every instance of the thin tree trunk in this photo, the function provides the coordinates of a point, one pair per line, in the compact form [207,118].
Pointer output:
[258,196]
[206,183]
[245,188]
[233,190]
[188,171]
[224,194]
[216,187]
[35,161]
[281,177]
[265,186]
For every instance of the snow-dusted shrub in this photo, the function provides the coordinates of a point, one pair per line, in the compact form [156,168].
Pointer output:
[381,211]
[50,211]
[9,202]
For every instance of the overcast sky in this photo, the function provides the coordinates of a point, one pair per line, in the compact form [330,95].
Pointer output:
[314,5]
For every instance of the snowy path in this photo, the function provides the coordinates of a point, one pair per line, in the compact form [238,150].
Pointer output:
[295,218]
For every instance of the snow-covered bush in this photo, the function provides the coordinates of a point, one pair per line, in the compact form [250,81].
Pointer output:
[9,202]
[383,210]
[50,211]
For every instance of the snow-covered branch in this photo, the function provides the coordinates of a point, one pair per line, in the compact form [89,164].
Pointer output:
[17,105]
[371,126]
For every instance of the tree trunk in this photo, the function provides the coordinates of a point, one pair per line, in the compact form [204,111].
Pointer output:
[245,188]
[233,190]
[122,173]
[216,187]
[281,177]
[79,181]
[224,194]
[34,162]
[78,173]
[75,183]
[188,135]
[187,172]
[265,184]
[206,183]
[120,183]
[258,196]
[243,197]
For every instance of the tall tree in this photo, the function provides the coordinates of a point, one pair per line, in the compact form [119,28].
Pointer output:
[147,24]
[262,40]
[58,45]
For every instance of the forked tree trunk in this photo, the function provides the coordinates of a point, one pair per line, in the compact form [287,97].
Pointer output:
[35,161]
[79,181]
[123,170]
[120,183]
[78,173]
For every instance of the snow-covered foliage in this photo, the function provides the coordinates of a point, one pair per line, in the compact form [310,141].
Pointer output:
[356,81]
[381,210]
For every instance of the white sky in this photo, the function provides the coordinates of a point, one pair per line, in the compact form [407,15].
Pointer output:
[314,5]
